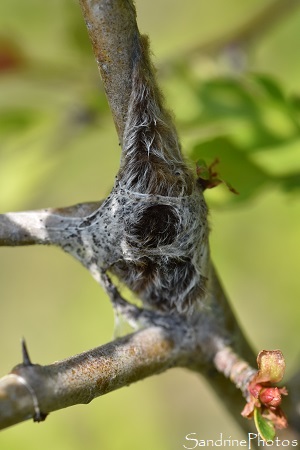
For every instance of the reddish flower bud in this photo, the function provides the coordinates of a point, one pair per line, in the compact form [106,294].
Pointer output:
[270,397]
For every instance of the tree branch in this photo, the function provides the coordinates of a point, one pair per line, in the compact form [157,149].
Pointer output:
[32,391]
[113,32]
[152,226]
[34,227]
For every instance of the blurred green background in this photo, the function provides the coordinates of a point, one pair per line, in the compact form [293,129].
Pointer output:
[238,102]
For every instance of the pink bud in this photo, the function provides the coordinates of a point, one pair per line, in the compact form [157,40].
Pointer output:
[270,396]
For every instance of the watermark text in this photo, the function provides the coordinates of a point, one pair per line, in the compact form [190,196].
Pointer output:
[194,441]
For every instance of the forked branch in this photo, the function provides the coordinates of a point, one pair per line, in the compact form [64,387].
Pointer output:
[152,233]
[33,391]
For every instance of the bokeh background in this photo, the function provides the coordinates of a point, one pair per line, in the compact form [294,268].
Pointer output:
[237,100]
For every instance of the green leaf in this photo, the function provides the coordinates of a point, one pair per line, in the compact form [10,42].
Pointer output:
[290,182]
[253,109]
[264,427]
[236,166]
[226,96]
[270,87]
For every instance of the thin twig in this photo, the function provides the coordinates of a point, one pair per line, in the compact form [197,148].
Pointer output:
[251,31]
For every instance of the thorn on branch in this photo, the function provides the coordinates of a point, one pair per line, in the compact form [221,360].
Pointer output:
[38,416]
[25,354]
